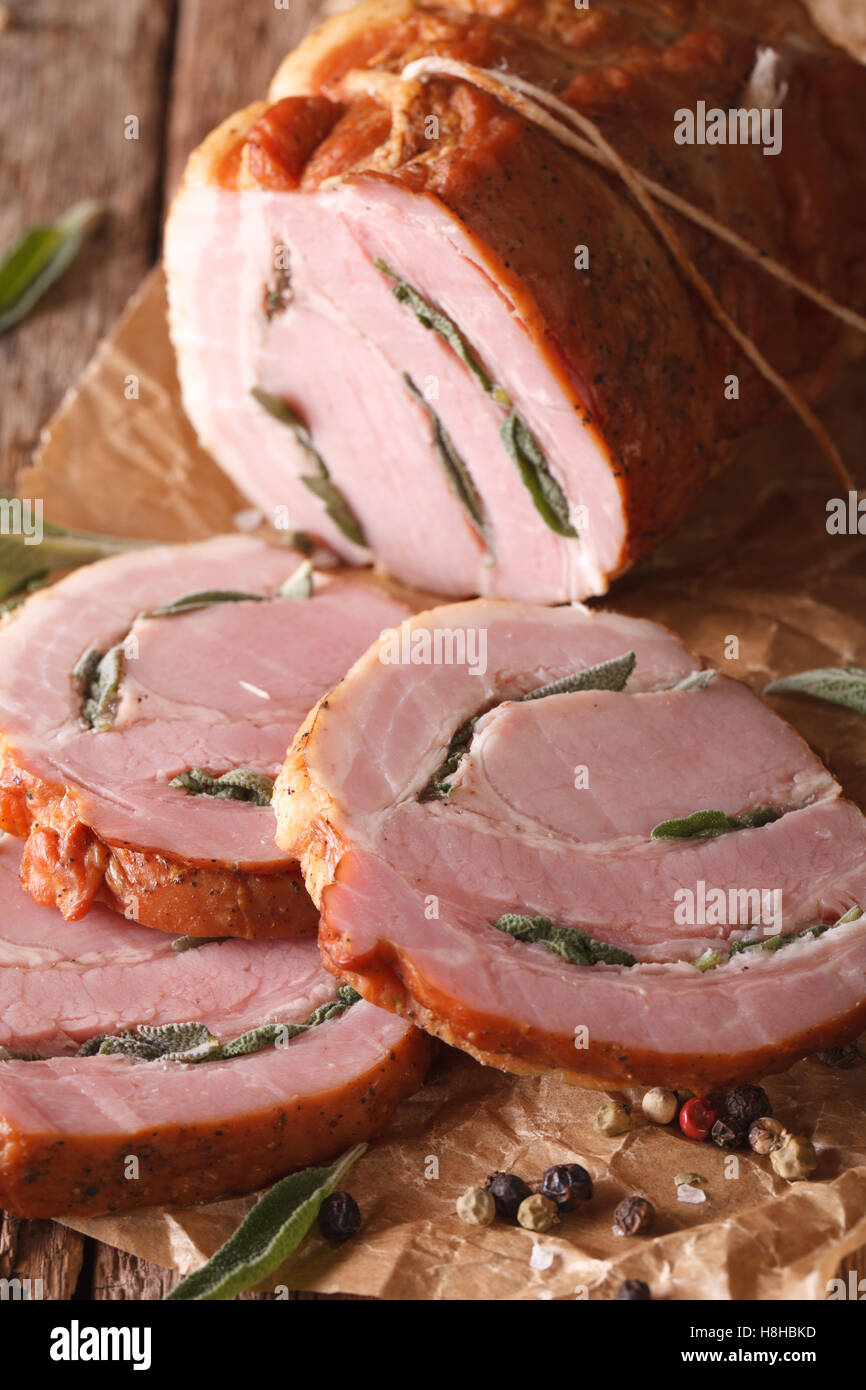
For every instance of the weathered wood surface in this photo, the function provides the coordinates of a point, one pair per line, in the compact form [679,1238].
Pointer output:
[70,76]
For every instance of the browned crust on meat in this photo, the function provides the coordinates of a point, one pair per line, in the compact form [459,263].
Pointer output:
[650,399]
[67,865]
[186,1164]
[388,978]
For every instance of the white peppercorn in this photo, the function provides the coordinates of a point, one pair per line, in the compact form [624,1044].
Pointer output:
[660,1106]
[476,1207]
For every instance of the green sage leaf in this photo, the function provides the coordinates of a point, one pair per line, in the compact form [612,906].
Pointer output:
[608,675]
[271,1232]
[572,944]
[839,685]
[704,824]
[547,496]
[98,678]
[192,943]
[40,258]
[698,680]
[23,564]
[433,318]
[319,483]
[205,598]
[239,784]
[456,471]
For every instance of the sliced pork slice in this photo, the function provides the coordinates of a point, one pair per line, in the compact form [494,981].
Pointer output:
[445,852]
[70,1124]
[222,687]
[498,381]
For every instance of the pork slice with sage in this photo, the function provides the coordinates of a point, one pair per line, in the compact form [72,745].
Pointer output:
[220,1069]
[171,682]
[530,914]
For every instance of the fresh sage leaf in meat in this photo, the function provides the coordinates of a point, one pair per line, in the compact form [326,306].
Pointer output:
[455,469]
[41,256]
[547,496]
[204,598]
[431,317]
[319,483]
[192,943]
[840,685]
[271,1232]
[776,943]
[98,678]
[572,944]
[704,824]
[698,680]
[607,675]
[239,784]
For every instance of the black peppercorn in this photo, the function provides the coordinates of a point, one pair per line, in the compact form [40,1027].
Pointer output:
[339,1217]
[634,1214]
[746,1104]
[729,1133]
[841,1057]
[634,1290]
[507,1191]
[567,1184]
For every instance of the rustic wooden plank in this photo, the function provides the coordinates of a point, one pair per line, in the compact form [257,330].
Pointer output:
[225,58]
[69,78]
[46,1254]
[70,75]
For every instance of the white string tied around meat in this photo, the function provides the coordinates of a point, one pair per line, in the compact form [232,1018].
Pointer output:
[548,112]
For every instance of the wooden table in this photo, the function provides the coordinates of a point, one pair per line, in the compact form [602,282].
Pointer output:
[70,75]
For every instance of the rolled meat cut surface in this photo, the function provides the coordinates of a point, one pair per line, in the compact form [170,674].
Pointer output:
[112,1130]
[127,681]
[423,328]
[554,839]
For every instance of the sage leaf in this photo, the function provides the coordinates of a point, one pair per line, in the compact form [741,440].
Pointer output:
[698,680]
[239,784]
[271,1232]
[704,824]
[204,598]
[336,506]
[572,944]
[455,469]
[547,496]
[319,483]
[300,583]
[608,675]
[98,679]
[431,317]
[23,563]
[192,943]
[839,685]
[39,259]
[708,961]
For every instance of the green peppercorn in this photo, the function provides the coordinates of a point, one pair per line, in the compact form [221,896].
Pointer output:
[507,1191]
[613,1119]
[795,1158]
[766,1135]
[339,1217]
[537,1213]
[567,1184]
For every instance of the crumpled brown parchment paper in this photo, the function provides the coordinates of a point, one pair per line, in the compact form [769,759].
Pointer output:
[755,563]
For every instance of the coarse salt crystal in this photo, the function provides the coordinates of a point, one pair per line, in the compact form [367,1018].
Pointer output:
[542,1256]
[687,1193]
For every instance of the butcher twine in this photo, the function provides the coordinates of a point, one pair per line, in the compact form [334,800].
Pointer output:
[544,109]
